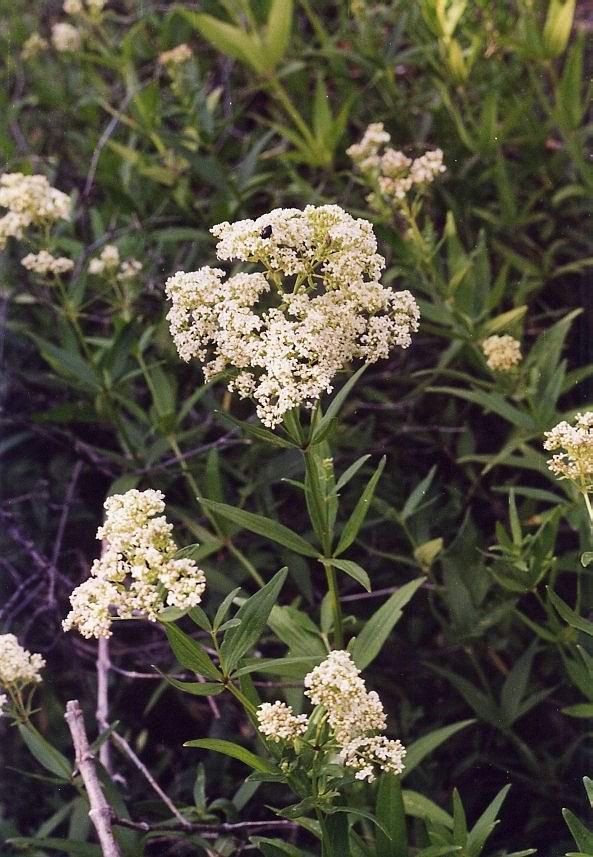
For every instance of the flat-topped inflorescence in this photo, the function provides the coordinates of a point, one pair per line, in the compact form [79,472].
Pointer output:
[281,335]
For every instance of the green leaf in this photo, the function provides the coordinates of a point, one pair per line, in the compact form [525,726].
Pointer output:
[369,642]
[69,363]
[558,26]
[351,471]
[195,688]
[335,406]
[65,846]
[581,709]
[290,667]
[253,614]
[229,40]
[581,835]
[224,608]
[417,495]
[391,814]
[361,509]
[485,824]
[569,615]
[492,402]
[44,752]
[190,654]
[278,30]
[263,527]
[419,806]
[419,749]
[515,684]
[353,569]
[233,750]
[586,558]
[258,432]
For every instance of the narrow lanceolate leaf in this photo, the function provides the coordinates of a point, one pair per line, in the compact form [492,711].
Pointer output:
[253,614]
[416,751]
[391,814]
[229,40]
[278,30]
[419,806]
[44,752]
[486,823]
[64,846]
[361,509]
[581,834]
[335,406]
[353,569]
[233,750]
[258,432]
[196,688]
[369,642]
[290,667]
[190,654]
[263,527]
[569,615]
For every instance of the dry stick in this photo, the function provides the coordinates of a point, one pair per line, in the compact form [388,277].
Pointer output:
[100,812]
[102,714]
[102,711]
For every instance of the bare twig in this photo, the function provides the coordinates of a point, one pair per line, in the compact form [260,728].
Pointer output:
[100,812]
[123,745]
[201,827]
[102,711]
[102,142]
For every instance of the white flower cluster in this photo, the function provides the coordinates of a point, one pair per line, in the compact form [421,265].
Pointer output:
[352,710]
[108,262]
[33,46]
[176,56]
[44,263]
[65,37]
[18,667]
[367,753]
[328,308]
[502,353]
[137,572]
[576,462]
[391,172]
[354,714]
[31,201]
[278,722]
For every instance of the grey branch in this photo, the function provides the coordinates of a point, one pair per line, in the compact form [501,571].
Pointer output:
[100,812]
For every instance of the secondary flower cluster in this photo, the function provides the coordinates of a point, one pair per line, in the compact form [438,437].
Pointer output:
[108,262]
[44,263]
[576,462]
[80,7]
[137,573]
[176,56]
[65,37]
[31,201]
[354,715]
[502,353]
[391,173]
[18,667]
[282,335]
[34,45]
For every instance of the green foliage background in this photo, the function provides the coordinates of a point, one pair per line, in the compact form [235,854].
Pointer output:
[504,89]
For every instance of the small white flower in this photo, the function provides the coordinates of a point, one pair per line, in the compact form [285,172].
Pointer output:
[33,46]
[352,711]
[44,263]
[326,307]
[502,353]
[278,722]
[18,667]
[576,461]
[107,260]
[65,38]
[128,270]
[137,572]
[176,56]
[367,753]
[31,201]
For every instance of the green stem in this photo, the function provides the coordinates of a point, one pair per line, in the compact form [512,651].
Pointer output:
[246,703]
